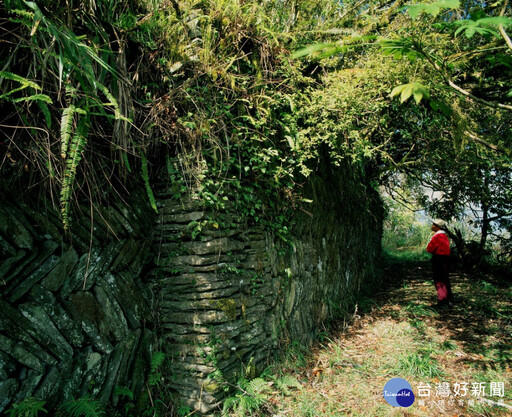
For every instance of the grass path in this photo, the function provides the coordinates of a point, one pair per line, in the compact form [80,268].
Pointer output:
[397,333]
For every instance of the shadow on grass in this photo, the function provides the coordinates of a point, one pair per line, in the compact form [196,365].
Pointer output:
[480,321]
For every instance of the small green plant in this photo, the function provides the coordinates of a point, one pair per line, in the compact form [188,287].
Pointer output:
[83,407]
[419,310]
[286,382]
[250,397]
[419,364]
[486,307]
[489,288]
[417,324]
[145,177]
[155,376]
[295,355]
[23,84]
[184,410]
[448,345]
[29,407]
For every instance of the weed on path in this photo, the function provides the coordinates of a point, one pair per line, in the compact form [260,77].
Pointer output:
[458,360]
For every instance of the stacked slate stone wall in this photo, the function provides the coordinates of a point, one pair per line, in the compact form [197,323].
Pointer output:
[230,295]
[335,247]
[225,294]
[74,313]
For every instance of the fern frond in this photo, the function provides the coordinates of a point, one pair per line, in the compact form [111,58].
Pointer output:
[286,382]
[73,159]
[18,78]
[230,403]
[83,407]
[256,387]
[126,161]
[157,359]
[29,407]
[39,97]
[124,392]
[26,17]
[46,111]
[112,100]
[145,177]
[24,83]
[66,127]
[247,405]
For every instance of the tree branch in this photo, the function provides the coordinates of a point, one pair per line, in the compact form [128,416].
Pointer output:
[485,143]
[450,82]
[502,29]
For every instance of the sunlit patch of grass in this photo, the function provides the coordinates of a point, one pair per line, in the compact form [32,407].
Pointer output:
[406,255]
[481,408]
[487,377]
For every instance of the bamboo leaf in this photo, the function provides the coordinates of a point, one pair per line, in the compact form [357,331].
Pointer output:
[495,21]
[433,9]
[417,90]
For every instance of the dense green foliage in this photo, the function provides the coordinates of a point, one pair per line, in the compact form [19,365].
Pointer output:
[210,83]
[243,100]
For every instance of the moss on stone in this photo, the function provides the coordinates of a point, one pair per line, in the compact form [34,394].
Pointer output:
[212,387]
[228,306]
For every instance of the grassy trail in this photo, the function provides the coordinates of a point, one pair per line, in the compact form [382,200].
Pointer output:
[398,333]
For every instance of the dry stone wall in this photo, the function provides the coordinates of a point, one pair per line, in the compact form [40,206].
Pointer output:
[214,311]
[73,315]
[224,294]
[230,295]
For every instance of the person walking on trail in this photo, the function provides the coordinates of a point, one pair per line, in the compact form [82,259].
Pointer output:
[439,247]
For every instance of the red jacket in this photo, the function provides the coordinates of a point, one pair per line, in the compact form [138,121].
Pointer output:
[439,244]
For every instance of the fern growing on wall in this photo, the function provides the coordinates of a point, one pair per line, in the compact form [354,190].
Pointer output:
[83,407]
[72,160]
[155,376]
[145,177]
[29,407]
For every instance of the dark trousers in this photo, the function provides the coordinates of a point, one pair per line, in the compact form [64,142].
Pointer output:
[441,270]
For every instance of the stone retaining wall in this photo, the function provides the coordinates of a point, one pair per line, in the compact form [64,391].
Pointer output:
[224,294]
[73,315]
[231,295]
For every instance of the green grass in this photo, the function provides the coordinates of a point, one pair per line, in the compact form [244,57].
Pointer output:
[419,364]
[419,310]
[394,255]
